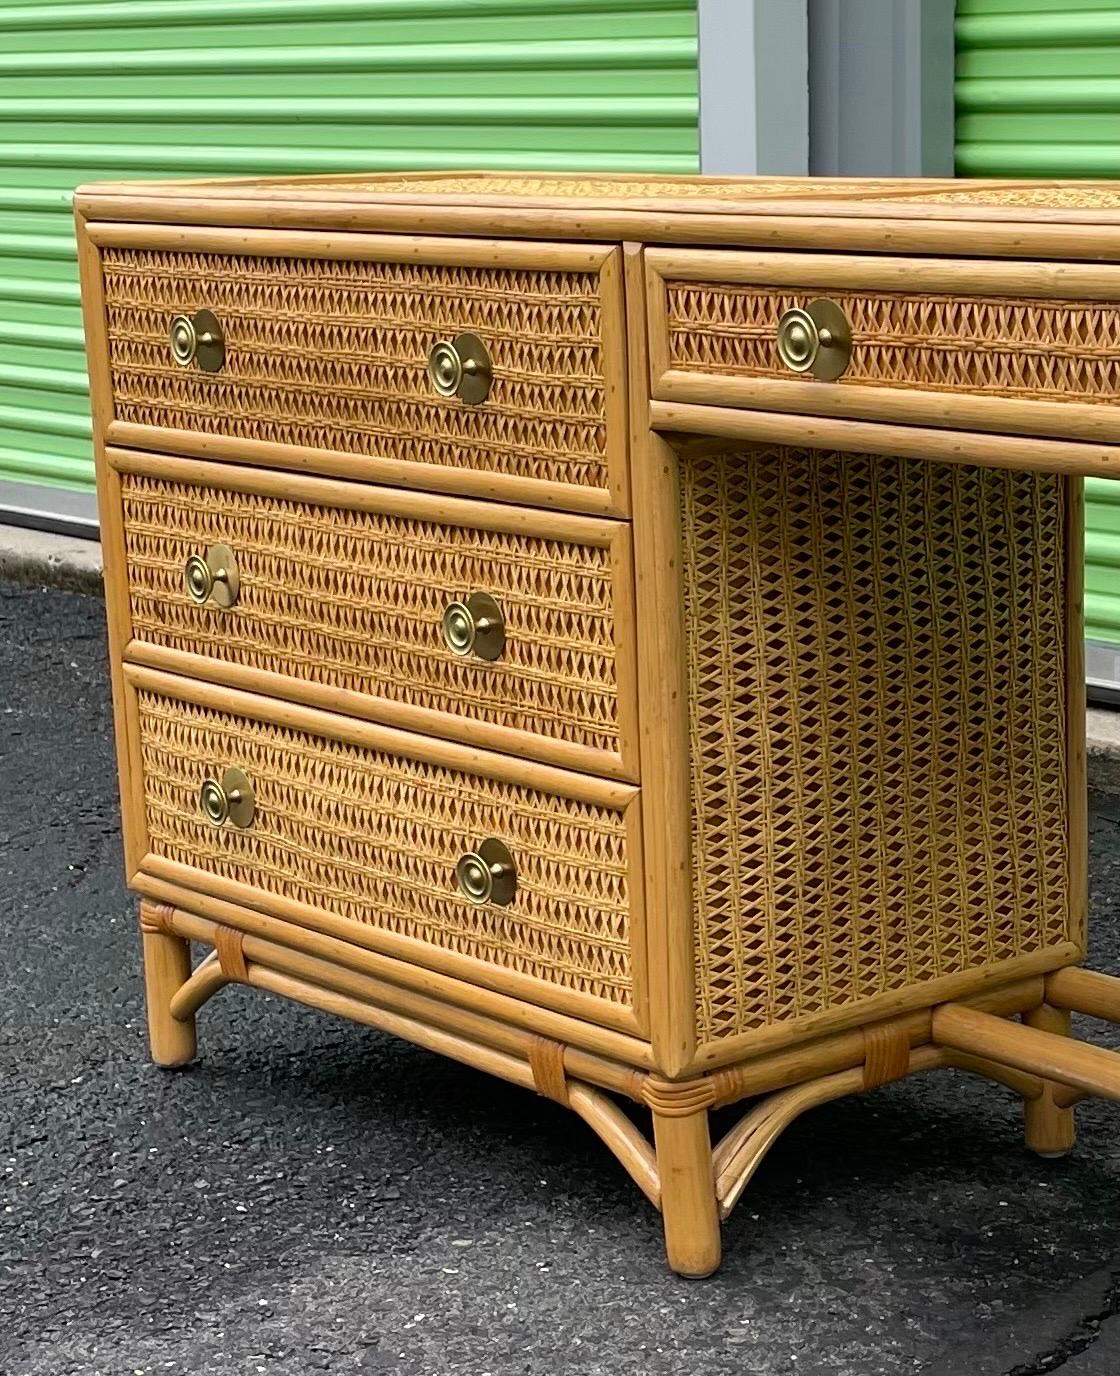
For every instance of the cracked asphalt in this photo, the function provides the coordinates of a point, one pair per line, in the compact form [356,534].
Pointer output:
[315,1196]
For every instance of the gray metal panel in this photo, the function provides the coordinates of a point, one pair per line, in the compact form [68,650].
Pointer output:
[754,87]
[881,84]
[48,508]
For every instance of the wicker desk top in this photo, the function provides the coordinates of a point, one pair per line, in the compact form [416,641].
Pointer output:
[1004,218]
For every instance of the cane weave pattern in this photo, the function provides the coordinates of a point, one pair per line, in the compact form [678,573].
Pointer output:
[333,355]
[1033,349]
[1043,197]
[374,838]
[354,600]
[532,186]
[875,661]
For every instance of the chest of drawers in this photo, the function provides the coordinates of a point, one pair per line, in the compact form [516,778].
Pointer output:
[621,633]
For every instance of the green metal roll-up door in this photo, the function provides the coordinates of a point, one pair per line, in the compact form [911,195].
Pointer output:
[158,88]
[1038,94]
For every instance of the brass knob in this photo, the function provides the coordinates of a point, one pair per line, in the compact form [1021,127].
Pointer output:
[816,339]
[213,577]
[487,875]
[230,799]
[198,339]
[475,626]
[460,367]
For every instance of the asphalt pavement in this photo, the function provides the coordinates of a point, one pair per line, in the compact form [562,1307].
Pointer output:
[314,1196]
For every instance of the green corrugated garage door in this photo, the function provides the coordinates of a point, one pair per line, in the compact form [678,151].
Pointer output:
[156,88]
[1038,94]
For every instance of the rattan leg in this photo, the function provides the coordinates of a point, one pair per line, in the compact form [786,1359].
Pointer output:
[1050,1130]
[167,967]
[688,1192]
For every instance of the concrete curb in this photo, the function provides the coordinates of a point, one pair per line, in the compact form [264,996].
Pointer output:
[62,561]
[56,561]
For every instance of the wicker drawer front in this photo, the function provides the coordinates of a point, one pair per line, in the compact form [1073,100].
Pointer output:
[878,699]
[351,601]
[330,355]
[1024,346]
[371,837]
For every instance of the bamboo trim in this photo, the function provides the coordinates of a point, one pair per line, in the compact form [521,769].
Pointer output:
[460,1000]
[407,503]
[895,404]
[614,363]
[613,1128]
[1073,1063]
[371,736]
[953,276]
[663,709]
[826,1054]
[909,442]
[1085,991]
[115,573]
[490,736]
[970,985]
[349,247]
[203,984]
[741,1151]
[459,481]
[465,970]
[893,229]
[369,989]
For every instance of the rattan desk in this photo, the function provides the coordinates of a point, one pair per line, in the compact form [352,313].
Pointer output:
[621,633]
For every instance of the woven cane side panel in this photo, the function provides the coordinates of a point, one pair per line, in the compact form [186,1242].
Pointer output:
[354,600]
[875,658]
[1031,349]
[333,355]
[374,838]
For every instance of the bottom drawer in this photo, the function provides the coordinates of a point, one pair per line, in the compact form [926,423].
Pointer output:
[334,821]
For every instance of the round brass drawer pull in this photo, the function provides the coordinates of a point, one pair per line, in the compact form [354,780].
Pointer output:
[816,339]
[230,799]
[198,339]
[213,577]
[487,875]
[460,367]
[475,627]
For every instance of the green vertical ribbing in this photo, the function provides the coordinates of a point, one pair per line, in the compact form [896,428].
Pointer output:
[158,88]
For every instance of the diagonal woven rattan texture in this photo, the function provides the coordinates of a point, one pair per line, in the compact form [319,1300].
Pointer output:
[354,600]
[333,355]
[374,838]
[875,660]
[1033,349]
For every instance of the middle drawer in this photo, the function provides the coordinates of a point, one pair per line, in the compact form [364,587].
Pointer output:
[504,626]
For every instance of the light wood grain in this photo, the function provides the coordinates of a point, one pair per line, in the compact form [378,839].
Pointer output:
[895,404]
[457,998]
[1048,1127]
[663,710]
[688,1193]
[297,459]
[865,437]
[1073,1063]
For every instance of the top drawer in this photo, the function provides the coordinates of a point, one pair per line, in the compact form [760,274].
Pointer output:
[325,348]
[1032,348]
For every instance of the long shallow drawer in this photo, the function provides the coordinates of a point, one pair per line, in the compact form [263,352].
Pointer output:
[363,832]
[346,597]
[316,354]
[1025,347]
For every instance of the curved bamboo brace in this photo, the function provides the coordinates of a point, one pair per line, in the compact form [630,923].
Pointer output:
[741,1151]
[608,1121]
[203,984]
[1073,1063]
